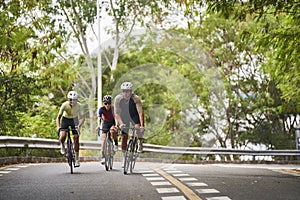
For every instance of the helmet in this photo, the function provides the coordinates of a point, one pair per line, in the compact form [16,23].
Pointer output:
[72,95]
[107,99]
[126,86]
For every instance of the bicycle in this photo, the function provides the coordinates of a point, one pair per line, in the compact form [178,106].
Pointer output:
[70,153]
[131,153]
[108,151]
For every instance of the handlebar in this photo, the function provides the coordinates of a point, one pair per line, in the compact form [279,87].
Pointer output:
[69,129]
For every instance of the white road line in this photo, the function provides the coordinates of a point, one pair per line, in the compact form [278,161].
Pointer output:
[167,190]
[207,191]
[150,175]
[12,169]
[155,179]
[188,179]
[196,184]
[173,171]
[174,198]
[218,198]
[177,175]
[5,172]
[22,166]
[146,171]
[160,183]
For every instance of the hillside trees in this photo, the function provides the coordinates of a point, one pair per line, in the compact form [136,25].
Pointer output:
[30,43]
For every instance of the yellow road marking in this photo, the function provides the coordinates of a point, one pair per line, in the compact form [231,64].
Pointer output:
[187,191]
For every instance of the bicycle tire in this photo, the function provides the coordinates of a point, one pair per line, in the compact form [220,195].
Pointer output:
[133,154]
[127,156]
[111,154]
[70,155]
[106,154]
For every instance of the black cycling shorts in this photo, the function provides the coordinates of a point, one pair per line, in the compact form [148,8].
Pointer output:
[134,120]
[66,122]
[106,126]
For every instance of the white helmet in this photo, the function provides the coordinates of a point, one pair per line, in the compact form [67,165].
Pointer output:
[126,86]
[72,95]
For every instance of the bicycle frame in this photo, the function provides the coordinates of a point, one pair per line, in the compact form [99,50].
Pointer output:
[108,151]
[70,154]
[131,153]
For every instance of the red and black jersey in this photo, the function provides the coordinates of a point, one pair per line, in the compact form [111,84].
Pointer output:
[107,115]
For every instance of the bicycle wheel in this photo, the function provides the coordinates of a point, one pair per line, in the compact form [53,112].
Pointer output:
[111,155]
[127,159]
[70,155]
[107,150]
[133,154]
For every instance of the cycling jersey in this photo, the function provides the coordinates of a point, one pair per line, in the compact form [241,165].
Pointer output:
[108,118]
[128,109]
[106,115]
[70,112]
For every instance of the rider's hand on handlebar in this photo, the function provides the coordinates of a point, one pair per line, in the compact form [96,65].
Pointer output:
[122,126]
[142,129]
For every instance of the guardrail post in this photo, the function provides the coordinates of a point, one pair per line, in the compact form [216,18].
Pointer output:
[297,136]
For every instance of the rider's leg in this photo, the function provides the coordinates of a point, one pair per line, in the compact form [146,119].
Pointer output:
[62,139]
[124,144]
[114,135]
[140,135]
[103,148]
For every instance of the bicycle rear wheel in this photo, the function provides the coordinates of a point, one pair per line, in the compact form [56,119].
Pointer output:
[127,159]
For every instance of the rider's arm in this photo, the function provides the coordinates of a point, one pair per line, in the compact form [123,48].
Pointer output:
[99,117]
[139,108]
[117,110]
[58,121]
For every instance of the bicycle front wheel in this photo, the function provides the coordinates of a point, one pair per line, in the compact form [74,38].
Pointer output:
[70,155]
[107,153]
[127,159]
[133,154]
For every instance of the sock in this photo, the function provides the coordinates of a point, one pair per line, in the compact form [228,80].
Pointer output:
[76,155]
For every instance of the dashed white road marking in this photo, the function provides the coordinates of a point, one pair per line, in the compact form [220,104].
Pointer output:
[12,169]
[150,175]
[167,190]
[173,171]
[218,198]
[155,179]
[174,198]
[4,172]
[22,166]
[207,191]
[160,183]
[196,184]
[188,179]
[145,171]
[177,175]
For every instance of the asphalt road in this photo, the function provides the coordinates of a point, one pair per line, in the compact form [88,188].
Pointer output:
[150,181]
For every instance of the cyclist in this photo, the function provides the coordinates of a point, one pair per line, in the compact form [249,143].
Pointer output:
[106,114]
[70,114]
[128,109]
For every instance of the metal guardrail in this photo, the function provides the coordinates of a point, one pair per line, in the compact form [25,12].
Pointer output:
[39,143]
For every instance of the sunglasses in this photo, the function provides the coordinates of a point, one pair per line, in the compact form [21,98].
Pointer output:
[72,99]
[126,91]
[107,103]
